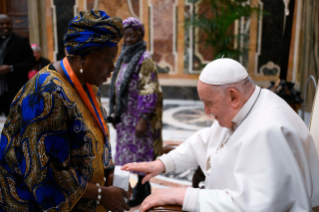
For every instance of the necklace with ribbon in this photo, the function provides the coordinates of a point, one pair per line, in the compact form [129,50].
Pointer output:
[88,97]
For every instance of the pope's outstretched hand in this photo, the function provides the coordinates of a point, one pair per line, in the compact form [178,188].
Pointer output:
[151,169]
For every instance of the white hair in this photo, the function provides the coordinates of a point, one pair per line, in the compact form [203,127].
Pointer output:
[242,86]
[36,48]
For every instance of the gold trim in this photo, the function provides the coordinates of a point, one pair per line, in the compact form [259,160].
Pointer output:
[49,29]
[80,196]
[180,37]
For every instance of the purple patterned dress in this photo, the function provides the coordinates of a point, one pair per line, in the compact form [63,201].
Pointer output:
[144,96]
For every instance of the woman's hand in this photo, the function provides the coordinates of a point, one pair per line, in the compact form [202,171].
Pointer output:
[113,198]
[114,125]
[171,196]
[140,127]
[151,169]
[4,69]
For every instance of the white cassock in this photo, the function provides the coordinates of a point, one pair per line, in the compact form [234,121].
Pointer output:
[268,164]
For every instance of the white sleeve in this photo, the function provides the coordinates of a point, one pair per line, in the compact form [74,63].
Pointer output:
[168,163]
[198,200]
[187,154]
[190,202]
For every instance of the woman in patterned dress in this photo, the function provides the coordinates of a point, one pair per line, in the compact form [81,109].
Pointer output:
[136,105]
[54,149]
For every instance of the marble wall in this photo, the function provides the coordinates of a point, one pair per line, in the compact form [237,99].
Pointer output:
[177,48]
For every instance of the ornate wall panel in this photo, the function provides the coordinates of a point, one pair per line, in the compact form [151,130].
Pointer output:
[309,48]
[120,8]
[197,54]
[270,44]
[163,34]
[178,49]
[265,42]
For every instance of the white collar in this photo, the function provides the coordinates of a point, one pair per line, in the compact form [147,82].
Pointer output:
[246,108]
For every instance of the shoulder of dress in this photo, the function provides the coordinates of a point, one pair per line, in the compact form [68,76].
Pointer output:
[145,56]
[147,66]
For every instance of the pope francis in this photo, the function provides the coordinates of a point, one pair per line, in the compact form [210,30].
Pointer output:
[257,156]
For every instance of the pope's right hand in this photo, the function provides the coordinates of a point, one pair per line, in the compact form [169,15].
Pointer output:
[151,169]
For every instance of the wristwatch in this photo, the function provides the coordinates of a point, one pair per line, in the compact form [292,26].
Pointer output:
[11,68]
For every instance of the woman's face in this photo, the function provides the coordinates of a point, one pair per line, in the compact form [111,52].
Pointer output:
[131,37]
[98,66]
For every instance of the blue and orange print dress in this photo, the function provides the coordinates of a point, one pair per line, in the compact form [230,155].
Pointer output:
[51,147]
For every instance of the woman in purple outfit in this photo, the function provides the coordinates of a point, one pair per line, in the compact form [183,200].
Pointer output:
[136,105]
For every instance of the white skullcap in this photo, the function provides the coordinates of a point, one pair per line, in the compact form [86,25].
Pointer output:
[223,71]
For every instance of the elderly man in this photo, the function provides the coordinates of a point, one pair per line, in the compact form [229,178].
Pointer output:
[257,156]
[16,59]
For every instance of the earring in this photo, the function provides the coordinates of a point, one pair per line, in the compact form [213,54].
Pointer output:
[81,70]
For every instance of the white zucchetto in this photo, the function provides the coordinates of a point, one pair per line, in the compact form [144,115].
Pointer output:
[223,71]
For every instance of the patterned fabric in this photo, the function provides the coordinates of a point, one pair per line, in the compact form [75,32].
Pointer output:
[144,96]
[92,30]
[131,56]
[135,24]
[51,146]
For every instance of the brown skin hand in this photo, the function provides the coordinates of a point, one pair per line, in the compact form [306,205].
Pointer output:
[141,127]
[131,37]
[5,29]
[112,198]
[4,69]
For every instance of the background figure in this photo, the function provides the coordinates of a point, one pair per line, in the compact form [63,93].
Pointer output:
[60,155]
[16,59]
[40,62]
[136,105]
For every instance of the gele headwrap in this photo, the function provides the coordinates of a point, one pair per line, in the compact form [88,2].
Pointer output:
[92,30]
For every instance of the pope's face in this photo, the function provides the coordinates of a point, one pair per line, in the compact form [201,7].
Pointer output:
[217,104]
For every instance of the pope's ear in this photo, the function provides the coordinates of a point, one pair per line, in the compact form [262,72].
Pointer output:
[234,97]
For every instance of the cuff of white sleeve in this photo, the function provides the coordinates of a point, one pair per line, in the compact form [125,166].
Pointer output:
[168,163]
[190,199]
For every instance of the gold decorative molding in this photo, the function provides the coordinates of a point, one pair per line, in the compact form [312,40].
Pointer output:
[49,30]
[33,17]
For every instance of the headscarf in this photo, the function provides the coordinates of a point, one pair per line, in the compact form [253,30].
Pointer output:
[135,24]
[130,55]
[92,30]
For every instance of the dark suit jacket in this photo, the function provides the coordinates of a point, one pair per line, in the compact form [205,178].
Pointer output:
[19,54]
[41,63]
